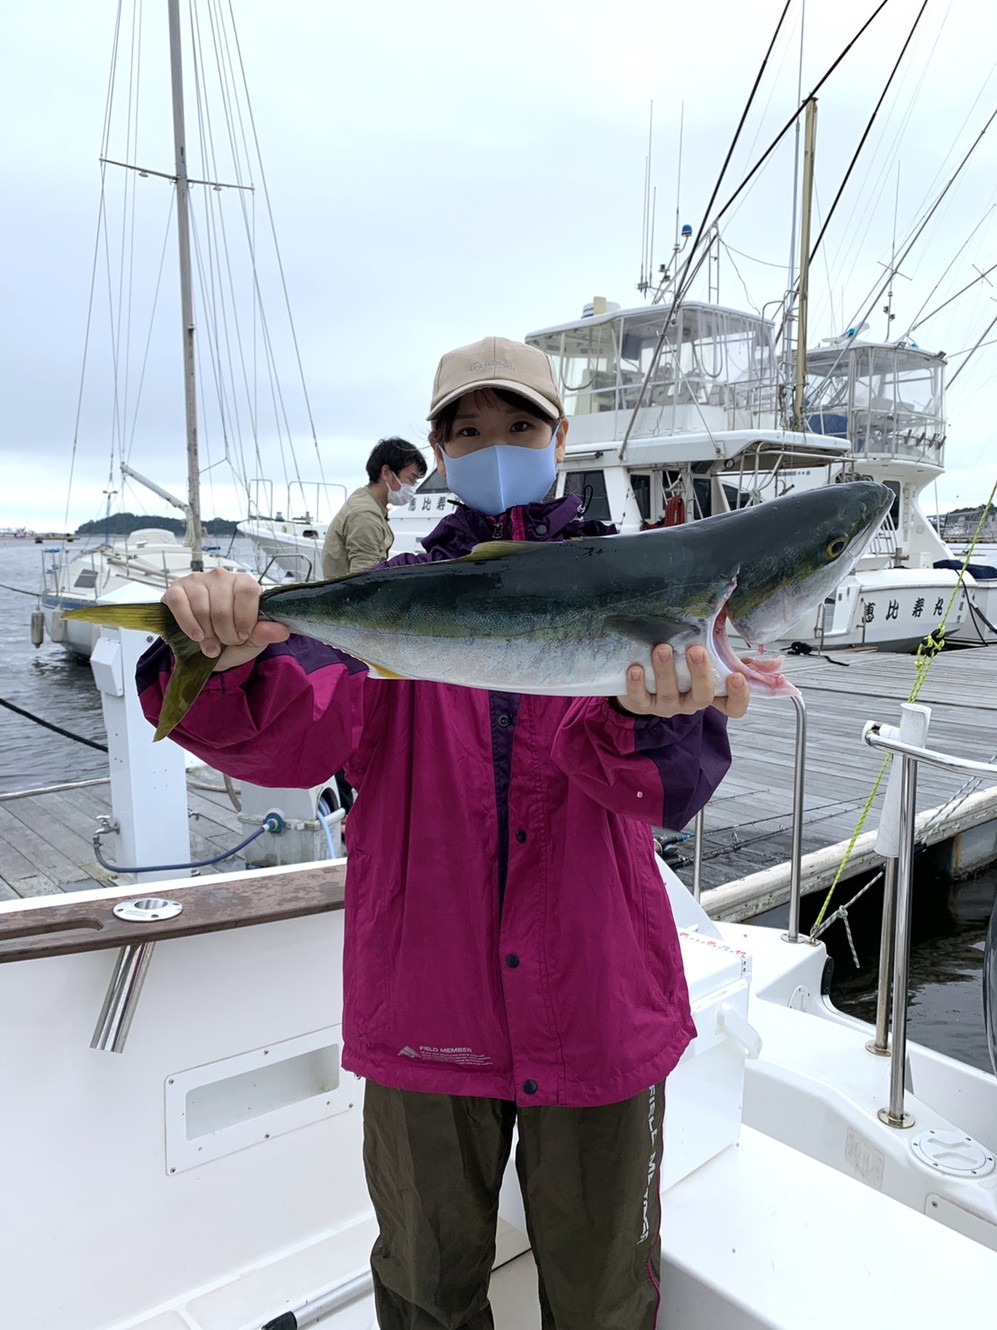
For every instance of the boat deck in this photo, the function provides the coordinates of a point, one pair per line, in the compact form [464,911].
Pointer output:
[45,839]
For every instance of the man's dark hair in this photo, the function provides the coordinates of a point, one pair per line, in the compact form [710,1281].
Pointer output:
[395,454]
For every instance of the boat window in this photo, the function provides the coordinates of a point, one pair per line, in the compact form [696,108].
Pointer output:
[87,578]
[641,486]
[880,398]
[578,482]
[586,363]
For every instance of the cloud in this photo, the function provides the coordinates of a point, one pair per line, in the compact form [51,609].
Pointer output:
[442,171]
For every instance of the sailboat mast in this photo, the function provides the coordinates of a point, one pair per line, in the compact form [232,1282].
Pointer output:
[799,383]
[186,293]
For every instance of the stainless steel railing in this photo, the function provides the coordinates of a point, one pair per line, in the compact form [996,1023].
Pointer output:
[894,961]
[799,777]
[887,738]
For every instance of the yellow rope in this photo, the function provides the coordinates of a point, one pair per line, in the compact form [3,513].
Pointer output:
[927,650]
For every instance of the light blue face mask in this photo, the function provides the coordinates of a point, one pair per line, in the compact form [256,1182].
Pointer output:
[502,476]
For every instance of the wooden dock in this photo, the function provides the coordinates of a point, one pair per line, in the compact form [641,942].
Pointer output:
[748,824]
[45,839]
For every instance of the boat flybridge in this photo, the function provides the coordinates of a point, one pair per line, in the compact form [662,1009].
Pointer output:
[704,433]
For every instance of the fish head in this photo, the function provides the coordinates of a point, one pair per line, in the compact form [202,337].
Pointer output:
[796,553]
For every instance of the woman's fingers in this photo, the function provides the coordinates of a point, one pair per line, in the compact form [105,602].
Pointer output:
[668,700]
[218,609]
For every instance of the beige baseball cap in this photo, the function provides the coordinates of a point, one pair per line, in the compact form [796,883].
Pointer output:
[497,362]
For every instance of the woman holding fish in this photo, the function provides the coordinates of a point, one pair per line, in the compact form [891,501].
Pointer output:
[511,957]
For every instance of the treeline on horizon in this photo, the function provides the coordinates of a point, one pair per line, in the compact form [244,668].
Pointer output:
[123,524]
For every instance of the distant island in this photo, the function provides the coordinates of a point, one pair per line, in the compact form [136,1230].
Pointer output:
[123,524]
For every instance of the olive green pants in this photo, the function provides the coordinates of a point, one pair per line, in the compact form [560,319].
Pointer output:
[589,1178]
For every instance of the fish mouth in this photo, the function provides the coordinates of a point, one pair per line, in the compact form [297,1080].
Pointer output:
[764,672]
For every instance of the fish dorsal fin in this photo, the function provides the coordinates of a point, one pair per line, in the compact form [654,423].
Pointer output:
[497,549]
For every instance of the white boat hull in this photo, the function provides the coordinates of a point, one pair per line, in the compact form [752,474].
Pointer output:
[209,1176]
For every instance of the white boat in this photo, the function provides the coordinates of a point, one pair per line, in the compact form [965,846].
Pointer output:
[289,546]
[142,565]
[191,1147]
[679,412]
[183,1148]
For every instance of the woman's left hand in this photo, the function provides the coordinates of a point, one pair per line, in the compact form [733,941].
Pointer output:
[666,700]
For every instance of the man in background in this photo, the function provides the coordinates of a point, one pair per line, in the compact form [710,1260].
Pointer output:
[360,534]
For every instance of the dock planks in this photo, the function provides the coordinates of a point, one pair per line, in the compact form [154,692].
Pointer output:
[748,824]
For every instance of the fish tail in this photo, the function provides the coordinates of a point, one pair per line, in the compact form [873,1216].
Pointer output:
[150,617]
[192,669]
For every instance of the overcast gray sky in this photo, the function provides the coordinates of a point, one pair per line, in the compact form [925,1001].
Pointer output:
[445,170]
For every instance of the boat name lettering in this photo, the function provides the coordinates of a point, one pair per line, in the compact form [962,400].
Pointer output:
[893,609]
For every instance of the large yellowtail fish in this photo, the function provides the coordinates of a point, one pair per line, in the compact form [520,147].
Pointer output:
[568,618]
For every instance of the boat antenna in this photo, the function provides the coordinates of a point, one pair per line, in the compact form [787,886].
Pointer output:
[799,379]
[186,294]
[936,204]
[681,282]
[647,227]
[893,269]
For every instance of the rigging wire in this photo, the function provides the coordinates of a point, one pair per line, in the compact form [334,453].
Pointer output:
[918,320]
[280,264]
[866,132]
[689,271]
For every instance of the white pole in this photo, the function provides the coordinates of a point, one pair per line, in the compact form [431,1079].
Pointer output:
[148,780]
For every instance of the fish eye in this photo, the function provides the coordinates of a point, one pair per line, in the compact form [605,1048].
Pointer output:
[836,547]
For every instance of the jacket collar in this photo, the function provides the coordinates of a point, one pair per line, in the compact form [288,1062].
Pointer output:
[556,519]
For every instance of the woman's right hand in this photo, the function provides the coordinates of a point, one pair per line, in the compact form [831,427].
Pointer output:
[221,611]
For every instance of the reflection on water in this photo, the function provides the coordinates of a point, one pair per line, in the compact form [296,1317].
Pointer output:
[946,985]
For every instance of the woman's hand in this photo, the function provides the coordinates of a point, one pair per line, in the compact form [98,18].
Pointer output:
[666,700]
[221,611]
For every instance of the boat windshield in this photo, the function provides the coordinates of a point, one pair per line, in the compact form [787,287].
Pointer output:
[882,399]
[709,356]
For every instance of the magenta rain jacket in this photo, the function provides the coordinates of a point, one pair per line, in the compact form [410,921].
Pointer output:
[507,930]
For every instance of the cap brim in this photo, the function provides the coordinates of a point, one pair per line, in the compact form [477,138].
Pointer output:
[531,395]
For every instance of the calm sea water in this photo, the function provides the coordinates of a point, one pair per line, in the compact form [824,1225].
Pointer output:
[949,928]
[47,681]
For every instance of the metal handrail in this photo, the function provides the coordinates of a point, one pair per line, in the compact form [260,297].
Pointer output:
[880,736]
[886,738]
[796,849]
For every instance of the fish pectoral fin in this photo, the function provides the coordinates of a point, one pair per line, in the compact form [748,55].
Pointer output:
[497,549]
[650,629]
[381,671]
